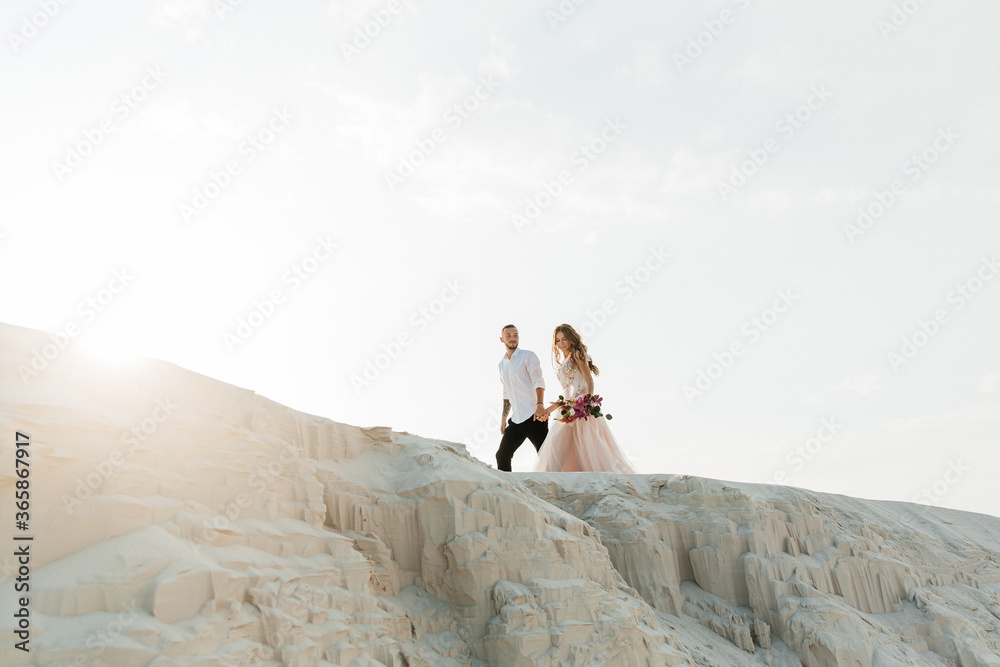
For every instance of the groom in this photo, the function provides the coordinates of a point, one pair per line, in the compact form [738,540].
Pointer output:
[523,389]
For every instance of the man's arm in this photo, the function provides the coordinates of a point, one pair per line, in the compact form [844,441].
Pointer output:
[541,413]
[535,373]
[506,401]
[503,418]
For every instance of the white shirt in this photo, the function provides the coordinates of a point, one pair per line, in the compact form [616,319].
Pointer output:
[520,376]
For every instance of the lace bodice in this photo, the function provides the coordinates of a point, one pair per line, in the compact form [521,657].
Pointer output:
[572,380]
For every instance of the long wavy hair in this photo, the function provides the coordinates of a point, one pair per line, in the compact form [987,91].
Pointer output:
[576,347]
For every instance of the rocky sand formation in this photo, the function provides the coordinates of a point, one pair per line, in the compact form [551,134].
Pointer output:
[178,520]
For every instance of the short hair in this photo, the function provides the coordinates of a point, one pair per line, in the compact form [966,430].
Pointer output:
[507,326]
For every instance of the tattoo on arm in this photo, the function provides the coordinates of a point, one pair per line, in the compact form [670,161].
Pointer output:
[506,407]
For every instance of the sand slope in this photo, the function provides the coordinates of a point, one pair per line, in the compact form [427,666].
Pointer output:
[179,520]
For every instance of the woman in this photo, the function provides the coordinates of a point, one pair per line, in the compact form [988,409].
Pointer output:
[582,445]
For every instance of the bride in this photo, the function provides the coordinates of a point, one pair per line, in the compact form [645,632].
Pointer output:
[581,445]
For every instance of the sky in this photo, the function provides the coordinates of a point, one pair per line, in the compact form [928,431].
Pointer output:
[774,223]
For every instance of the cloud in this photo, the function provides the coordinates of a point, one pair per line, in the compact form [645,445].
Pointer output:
[990,383]
[694,172]
[354,13]
[775,66]
[968,414]
[862,385]
[186,15]
[501,61]
[646,69]
[711,135]
[175,120]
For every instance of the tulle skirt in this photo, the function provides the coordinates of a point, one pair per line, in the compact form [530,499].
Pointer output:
[582,445]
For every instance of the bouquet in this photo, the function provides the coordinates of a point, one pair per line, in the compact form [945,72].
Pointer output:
[584,407]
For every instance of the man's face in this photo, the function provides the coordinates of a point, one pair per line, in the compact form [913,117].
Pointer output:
[509,338]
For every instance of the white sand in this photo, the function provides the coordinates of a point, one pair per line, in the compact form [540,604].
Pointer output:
[179,520]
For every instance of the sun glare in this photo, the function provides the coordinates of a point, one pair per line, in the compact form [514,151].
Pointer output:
[113,349]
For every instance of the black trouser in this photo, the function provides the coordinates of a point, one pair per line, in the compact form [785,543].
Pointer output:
[514,435]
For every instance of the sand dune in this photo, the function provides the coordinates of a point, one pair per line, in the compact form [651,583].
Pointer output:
[178,520]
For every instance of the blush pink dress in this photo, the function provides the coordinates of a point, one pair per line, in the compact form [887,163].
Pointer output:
[582,445]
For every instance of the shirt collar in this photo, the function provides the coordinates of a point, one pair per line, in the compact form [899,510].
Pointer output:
[513,356]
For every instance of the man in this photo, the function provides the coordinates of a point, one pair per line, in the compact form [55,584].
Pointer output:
[523,390]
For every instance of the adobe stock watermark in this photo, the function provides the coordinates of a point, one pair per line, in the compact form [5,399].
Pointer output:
[104,638]
[419,321]
[130,441]
[223,8]
[263,475]
[485,438]
[367,32]
[627,286]
[915,167]
[35,22]
[219,179]
[294,277]
[705,38]
[801,453]
[562,12]
[939,488]
[93,136]
[581,158]
[961,294]
[786,127]
[88,309]
[752,330]
[898,17]
[453,119]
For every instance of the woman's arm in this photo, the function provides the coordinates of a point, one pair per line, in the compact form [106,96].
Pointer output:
[584,368]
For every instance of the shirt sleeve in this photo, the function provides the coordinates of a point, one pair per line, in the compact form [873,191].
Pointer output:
[534,371]
[503,391]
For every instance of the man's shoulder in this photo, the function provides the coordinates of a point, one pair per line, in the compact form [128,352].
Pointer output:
[519,352]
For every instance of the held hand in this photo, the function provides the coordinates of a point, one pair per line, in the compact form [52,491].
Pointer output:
[503,425]
[540,413]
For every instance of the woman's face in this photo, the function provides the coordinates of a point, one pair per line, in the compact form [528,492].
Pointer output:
[562,342]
